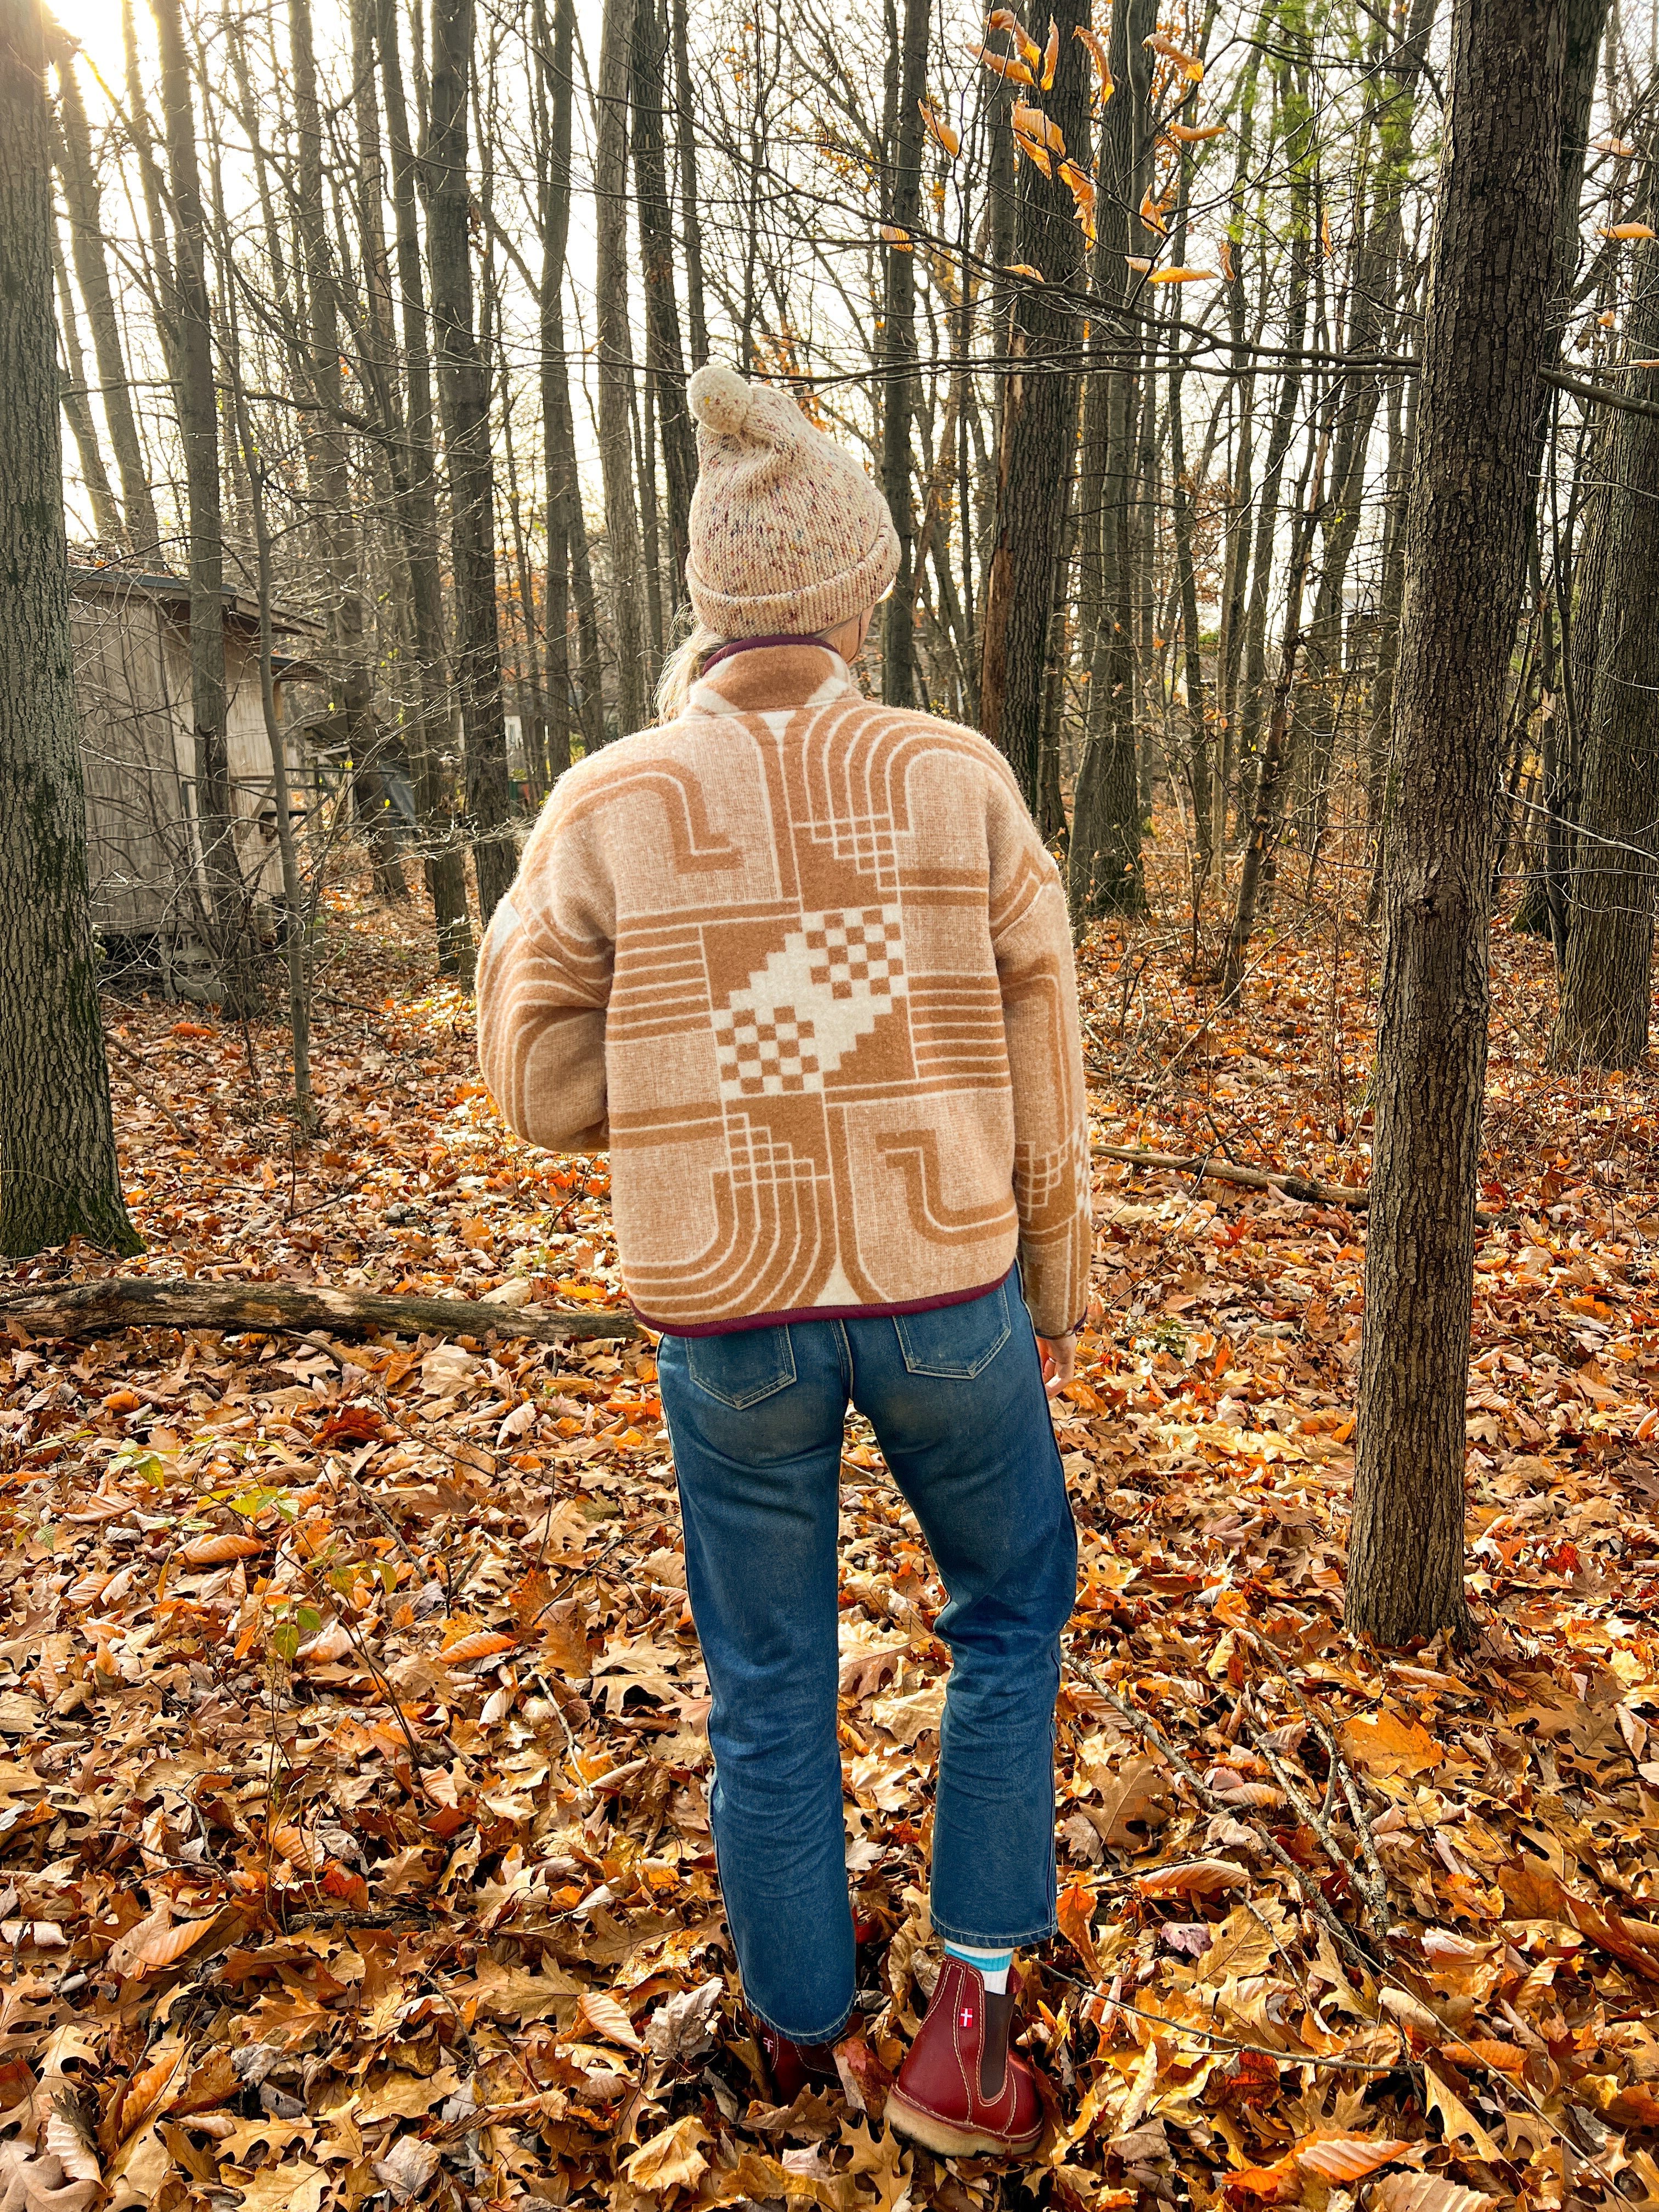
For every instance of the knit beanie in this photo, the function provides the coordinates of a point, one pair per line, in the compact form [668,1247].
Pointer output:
[789,534]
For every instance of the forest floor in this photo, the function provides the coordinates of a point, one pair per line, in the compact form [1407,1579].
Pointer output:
[353,1782]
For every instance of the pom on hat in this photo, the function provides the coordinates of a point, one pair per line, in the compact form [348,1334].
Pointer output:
[719,397]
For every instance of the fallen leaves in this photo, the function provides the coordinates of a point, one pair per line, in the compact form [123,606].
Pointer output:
[382,1846]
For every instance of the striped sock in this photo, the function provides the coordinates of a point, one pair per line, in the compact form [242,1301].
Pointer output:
[992,1965]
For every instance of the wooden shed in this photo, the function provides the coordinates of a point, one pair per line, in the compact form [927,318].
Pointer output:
[131,640]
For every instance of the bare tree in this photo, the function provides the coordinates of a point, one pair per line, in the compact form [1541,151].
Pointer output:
[59,1177]
[615,368]
[1607,979]
[464,392]
[74,152]
[1484,335]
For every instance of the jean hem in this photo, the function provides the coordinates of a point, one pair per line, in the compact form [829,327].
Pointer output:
[800,2035]
[979,1941]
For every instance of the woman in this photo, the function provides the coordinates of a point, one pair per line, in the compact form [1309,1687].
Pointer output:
[802,962]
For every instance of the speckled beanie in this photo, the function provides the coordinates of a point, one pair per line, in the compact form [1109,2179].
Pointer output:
[789,534]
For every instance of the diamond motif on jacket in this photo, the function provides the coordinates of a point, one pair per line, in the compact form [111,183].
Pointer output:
[797,1016]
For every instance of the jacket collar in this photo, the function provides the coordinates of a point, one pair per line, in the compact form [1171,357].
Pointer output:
[770,677]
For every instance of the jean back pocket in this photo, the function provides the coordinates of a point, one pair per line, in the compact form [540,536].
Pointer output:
[742,1366]
[955,1341]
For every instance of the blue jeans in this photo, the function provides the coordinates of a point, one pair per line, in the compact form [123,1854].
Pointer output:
[956,1401]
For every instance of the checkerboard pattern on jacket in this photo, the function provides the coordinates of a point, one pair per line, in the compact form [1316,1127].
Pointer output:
[803,961]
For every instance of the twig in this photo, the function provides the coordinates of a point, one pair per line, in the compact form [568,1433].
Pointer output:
[380,1681]
[1305,1189]
[1307,1810]
[188,1134]
[1374,1888]
[1226,2042]
[1313,1895]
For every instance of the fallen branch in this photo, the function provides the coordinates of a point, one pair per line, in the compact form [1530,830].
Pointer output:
[118,1301]
[1207,1163]
[1301,1188]
[1313,1896]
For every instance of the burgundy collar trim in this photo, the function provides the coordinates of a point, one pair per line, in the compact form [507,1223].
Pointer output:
[749,644]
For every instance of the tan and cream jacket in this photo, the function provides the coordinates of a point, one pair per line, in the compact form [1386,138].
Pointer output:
[803,961]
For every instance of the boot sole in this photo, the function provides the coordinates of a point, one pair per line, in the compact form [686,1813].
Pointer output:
[936,2135]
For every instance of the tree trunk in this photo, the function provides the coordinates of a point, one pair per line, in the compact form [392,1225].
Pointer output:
[1255,657]
[664,356]
[1264,814]
[1182,494]
[154,193]
[299,982]
[1105,873]
[329,455]
[1039,419]
[1498,193]
[464,395]
[566,530]
[691,217]
[92,274]
[1607,979]
[898,632]
[615,368]
[225,907]
[415,474]
[78,408]
[1379,704]
[60,1176]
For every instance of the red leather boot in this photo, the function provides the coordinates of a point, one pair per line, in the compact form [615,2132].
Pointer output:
[961,2092]
[792,2064]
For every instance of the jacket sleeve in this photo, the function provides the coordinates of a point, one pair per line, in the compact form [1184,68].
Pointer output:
[544,985]
[1030,933]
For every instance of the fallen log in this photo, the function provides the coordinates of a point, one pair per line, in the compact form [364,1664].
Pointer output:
[118,1302]
[1304,1188]
[1209,1163]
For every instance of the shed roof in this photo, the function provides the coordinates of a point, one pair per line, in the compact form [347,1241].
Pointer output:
[174,592]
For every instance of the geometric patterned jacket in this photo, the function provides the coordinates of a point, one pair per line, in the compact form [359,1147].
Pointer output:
[802,961]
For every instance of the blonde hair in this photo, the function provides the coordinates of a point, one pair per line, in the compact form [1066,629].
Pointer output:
[683,668]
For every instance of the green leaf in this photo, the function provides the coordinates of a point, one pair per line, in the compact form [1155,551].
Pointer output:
[285,1639]
[309,1619]
[251,1502]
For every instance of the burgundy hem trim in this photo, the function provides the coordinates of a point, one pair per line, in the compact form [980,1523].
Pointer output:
[821,1313]
[749,645]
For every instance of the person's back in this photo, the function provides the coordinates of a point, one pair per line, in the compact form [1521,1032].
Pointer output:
[826,959]
[803,963]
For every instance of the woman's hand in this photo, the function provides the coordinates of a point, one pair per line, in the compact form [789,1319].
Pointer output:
[1058,1358]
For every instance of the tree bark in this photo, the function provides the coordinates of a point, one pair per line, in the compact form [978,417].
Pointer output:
[664,355]
[414,477]
[328,454]
[569,574]
[118,1301]
[1498,194]
[1607,986]
[60,1176]
[225,907]
[78,408]
[898,631]
[1104,874]
[92,274]
[298,982]
[615,368]
[464,397]
[1039,418]
[1264,812]
[690,216]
